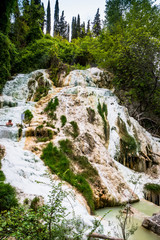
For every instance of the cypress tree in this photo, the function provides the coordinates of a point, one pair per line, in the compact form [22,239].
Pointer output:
[74,28]
[63,26]
[88,27]
[68,31]
[83,30]
[43,17]
[97,24]
[78,26]
[48,30]
[56,19]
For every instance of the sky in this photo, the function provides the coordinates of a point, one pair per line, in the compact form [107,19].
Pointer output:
[86,8]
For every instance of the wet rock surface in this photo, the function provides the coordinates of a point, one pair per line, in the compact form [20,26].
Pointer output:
[152,223]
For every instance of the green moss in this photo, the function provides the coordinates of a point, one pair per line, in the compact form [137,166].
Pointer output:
[91,115]
[59,163]
[103,112]
[127,142]
[63,120]
[152,187]
[19,132]
[41,91]
[51,108]
[75,131]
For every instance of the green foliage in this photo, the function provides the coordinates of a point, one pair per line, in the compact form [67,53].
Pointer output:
[75,127]
[59,163]
[103,112]
[152,187]
[7,197]
[41,91]
[7,57]
[42,134]
[35,203]
[28,116]
[20,132]
[63,120]
[51,107]
[127,142]
[47,222]
[2,176]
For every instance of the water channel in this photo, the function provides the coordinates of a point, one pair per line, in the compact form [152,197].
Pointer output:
[142,209]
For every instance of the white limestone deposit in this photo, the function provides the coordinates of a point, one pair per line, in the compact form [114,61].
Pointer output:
[102,138]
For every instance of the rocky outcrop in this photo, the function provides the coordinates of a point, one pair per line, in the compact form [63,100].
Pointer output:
[152,223]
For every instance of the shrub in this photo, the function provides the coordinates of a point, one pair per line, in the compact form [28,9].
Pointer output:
[51,108]
[102,110]
[28,116]
[152,187]
[2,176]
[63,120]
[35,203]
[7,197]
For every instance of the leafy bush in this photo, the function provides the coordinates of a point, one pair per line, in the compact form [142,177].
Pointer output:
[63,120]
[28,116]
[7,197]
[51,107]
[2,176]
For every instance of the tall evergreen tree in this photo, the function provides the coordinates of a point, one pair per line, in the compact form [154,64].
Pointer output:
[68,31]
[63,26]
[83,30]
[56,19]
[43,17]
[97,24]
[48,30]
[78,26]
[6,8]
[88,27]
[74,28]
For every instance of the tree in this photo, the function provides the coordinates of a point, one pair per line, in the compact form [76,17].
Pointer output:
[68,31]
[6,8]
[97,24]
[78,27]
[88,27]
[74,28]
[56,19]
[115,11]
[63,26]
[48,30]
[83,30]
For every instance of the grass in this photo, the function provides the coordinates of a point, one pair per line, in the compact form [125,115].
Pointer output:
[59,161]
[63,120]
[41,91]
[75,127]
[42,134]
[51,108]
[152,187]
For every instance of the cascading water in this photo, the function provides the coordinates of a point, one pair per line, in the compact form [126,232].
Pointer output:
[23,169]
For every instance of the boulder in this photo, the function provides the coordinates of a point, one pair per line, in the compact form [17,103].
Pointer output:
[153,223]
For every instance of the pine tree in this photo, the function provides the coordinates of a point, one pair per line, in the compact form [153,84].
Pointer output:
[48,30]
[78,26]
[63,26]
[56,19]
[97,24]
